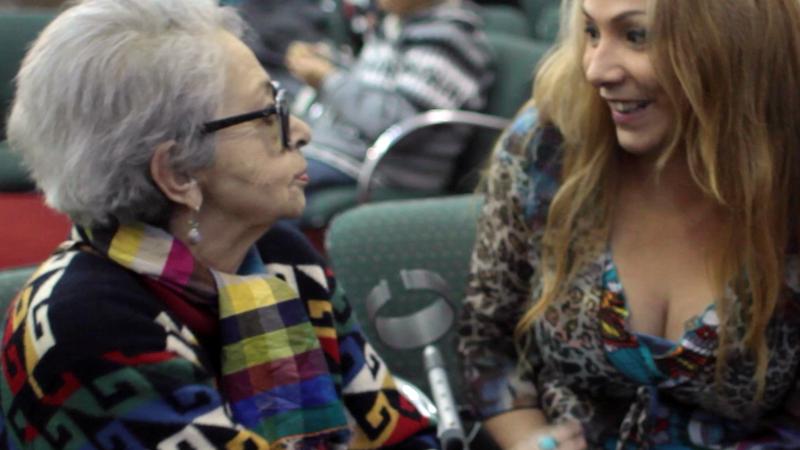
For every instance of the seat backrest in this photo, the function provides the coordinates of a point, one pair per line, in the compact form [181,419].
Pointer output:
[11,281]
[375,242]
[13,176]
[337,24]
[18,28]
[516,58]
[505,19]
[543,18]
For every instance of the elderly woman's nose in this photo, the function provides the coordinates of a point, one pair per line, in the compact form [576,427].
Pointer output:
[604,64]
[300,133]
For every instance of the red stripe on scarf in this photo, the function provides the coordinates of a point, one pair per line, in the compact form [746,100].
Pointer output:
[200,321]
[272,374]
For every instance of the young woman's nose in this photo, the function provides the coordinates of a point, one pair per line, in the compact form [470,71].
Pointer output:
[603,64]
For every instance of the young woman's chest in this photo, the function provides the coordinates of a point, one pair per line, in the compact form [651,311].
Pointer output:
[662,262]
[586,332]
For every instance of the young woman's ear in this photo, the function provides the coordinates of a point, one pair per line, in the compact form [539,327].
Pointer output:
[180,188]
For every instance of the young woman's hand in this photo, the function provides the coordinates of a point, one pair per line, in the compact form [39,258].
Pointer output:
[568,436]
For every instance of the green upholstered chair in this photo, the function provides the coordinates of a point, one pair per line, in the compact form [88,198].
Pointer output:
[337,26]
[516,58]
[505,19]
[11,281]
[374,243]
[329,202]
[543,18]
[405,265]
[18,28]
[13,176]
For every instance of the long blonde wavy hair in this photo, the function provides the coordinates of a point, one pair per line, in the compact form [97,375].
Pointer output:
[731,69]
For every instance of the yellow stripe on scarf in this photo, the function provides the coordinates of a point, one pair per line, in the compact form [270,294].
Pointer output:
[125,246]
[267,347]
[240,294]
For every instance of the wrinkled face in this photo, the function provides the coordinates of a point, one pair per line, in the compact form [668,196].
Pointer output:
[404,7]
[254,181]
[617,63]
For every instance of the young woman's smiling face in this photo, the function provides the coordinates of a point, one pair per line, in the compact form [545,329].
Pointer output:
[616,61]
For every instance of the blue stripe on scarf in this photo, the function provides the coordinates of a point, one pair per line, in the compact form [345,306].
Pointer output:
[317,391]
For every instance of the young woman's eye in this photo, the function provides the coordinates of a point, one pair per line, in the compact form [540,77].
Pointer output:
[592,33]
[637,36]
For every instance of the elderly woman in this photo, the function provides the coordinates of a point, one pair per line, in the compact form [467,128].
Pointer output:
[157,325]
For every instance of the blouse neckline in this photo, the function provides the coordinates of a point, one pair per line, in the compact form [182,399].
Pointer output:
[647,358]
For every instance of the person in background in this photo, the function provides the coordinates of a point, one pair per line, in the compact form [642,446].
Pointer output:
[424,54]
[277,23]
[636,279]
[158,324]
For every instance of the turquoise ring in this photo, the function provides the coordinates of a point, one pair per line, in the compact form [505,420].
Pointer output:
[547,442]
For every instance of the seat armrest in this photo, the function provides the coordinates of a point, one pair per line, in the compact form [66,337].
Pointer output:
[395,134]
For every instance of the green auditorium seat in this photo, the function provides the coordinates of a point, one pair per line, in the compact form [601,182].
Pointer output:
[374,243]
[327,203]
[338,27]
[543,18]
[18,28]
[13,176]
[515,60]
[505,19]
[11,281]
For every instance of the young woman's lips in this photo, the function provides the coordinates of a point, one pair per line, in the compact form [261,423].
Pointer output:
[628,112]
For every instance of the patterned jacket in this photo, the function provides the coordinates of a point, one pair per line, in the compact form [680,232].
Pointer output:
[100,353]
[581,360]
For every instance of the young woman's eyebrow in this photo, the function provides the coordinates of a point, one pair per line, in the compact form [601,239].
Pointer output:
[619,17]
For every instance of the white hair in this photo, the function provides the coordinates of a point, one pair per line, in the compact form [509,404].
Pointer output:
[102,86]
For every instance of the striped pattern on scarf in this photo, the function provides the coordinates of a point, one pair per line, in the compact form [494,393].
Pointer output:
[274,372]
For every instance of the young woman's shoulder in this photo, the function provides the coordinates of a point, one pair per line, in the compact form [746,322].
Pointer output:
[527,163]
[530,140]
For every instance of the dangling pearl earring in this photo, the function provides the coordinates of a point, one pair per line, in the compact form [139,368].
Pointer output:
[194,228]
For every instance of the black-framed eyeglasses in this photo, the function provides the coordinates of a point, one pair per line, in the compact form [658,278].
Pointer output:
[279,107]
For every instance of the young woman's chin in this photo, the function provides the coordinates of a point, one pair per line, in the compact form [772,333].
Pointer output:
[640,144]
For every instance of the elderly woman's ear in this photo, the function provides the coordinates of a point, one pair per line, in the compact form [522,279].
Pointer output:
[179,187]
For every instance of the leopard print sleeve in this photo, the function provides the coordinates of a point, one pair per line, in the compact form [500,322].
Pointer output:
[779,429]
[499,282]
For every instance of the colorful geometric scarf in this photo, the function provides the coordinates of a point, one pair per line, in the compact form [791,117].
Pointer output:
[274,373]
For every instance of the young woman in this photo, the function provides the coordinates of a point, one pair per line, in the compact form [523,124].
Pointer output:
[636,279]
